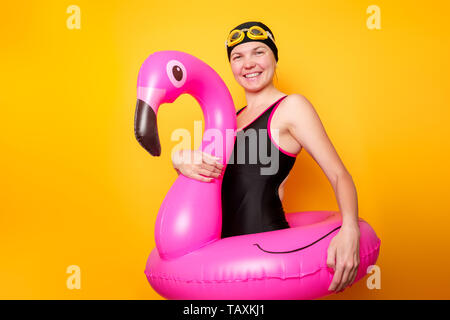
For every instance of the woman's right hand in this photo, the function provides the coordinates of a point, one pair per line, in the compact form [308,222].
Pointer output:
[197,165]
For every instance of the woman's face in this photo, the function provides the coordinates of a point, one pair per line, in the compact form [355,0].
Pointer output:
[253,57]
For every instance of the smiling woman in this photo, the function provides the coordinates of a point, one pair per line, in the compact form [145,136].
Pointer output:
[251,199]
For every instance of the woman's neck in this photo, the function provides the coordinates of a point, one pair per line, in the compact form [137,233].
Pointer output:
[257,100]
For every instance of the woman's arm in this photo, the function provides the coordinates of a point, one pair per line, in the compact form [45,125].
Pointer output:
[305,126]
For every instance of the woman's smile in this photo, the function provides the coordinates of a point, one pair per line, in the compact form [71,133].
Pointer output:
[254,76]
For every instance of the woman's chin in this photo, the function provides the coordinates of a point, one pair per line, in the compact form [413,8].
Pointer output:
[254,88]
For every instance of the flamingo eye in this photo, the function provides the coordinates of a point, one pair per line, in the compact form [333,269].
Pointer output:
[176,73]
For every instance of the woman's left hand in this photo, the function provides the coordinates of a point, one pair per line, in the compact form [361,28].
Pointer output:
[343,257]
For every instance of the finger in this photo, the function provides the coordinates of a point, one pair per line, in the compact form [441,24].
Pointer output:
[348,283]
[210,168]
[210,158]
[331,258]
[201,178]
[207,173]
[219,167]
[213,162]
[356,268]
[345,278]
[336,279]
[206,166]
[216,161]
[353,277]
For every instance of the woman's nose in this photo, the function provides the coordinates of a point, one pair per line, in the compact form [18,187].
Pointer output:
[248,63]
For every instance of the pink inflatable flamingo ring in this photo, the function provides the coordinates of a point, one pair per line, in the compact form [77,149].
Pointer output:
[191,260]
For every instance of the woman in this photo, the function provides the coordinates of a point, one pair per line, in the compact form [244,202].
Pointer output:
[251,200]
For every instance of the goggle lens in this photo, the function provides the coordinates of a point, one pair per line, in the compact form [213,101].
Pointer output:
[235,35]
[256,32]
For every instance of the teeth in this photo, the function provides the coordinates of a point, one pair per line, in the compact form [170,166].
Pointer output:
[251,75]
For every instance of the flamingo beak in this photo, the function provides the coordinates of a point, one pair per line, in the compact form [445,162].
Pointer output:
[146,129]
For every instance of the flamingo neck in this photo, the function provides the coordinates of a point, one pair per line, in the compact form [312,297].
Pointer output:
[190,216]
[219,115]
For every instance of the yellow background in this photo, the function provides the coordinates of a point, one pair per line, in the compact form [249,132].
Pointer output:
[77,189]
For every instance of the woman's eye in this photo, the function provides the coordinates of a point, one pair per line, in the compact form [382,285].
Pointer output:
[260,52]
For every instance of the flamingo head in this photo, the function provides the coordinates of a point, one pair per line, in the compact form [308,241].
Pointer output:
[162,78]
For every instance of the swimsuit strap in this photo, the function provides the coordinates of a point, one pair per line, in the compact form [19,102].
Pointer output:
[263,113]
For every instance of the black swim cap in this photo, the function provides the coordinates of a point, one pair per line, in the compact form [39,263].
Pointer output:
[267,41]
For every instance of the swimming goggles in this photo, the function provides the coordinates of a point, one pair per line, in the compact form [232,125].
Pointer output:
[254,33]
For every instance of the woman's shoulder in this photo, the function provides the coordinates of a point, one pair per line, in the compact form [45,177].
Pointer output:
[294,98]
[294,107]
[295,102]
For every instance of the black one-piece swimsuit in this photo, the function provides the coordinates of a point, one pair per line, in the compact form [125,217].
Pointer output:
[250,199]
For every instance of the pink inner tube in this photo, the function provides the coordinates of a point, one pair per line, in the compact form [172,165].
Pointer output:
[253,267]
[190,260]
